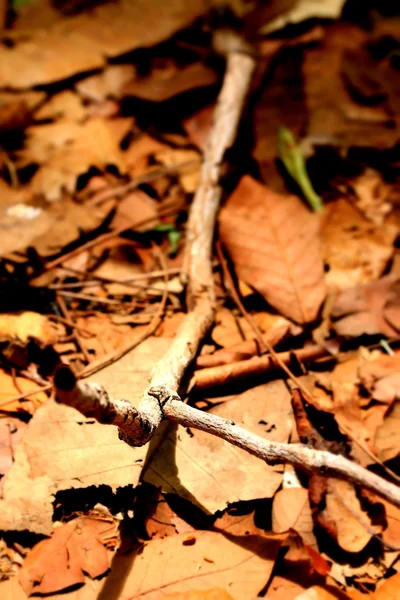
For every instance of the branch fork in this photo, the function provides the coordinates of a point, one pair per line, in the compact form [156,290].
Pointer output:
[161,400]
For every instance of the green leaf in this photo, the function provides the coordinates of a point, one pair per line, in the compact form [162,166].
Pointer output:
[295,165]
[173,237]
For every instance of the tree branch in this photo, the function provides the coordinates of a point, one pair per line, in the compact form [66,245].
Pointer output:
[161,399]
[136,427]
[92,400]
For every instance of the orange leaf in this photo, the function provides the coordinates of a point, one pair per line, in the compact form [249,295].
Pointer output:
[274,243]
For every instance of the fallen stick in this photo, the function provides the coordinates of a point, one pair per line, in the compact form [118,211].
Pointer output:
[137,427]
[161,400]
[256,366]
[93,401]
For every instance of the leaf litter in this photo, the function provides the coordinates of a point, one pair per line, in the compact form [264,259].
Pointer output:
[101,146]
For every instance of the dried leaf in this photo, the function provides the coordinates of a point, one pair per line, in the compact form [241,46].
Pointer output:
[374,197]
[75,549]
[369,309]
[190,176]
[274,244]
[11,432]
[389,590]
[199,562]
[332,112]
[387,435]
[13,387]
[64,105]
[67,149]
[198,126]
[356,251]
[380,377]
[291,510]
[109,83]
[62,450]
[211,472]
[342,510]
[295,12]
[84,42]
[25,326]
[163,85]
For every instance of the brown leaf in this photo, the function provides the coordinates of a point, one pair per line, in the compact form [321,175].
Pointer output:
[389,589]
[160,520]
[12,387]
[109,83]
[65,105]
[291,510]
[79,43]
[380,377]
[205,560]
[356,250]
[214,594]
[74,549]
[198,126]
[374,197]
[209,471]
[332,111]
[67,149]
[369,309]
[163,85]
[11,432]
[273,241]
[24,326]
[342,509]
[387,435]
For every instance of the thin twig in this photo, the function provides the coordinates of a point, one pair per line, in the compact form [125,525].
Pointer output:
[121,190]
[94,367]
[168,373]
[256,366]
[67,316]
[93,401]
[101,239]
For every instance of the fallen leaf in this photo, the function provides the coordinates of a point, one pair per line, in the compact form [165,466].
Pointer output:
[13,387]
[67,149]
[198,126]
[160,520]
[16,110]
[380,377]
[389,589]
[374,197]
[387,435]
[369,309]
[25,326]
[79,43]
[64,105]
[291,510]
[109,83]
[332,111]
[61,450]
[135,205]
[214,594]
[20,224]
[356,251]
[342,509]
[283,230]
[211,472]
[231,561]
[230,329]
[295,12]
[11,432]
[75,549]
[163,85]
[188,177]
[318,593]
